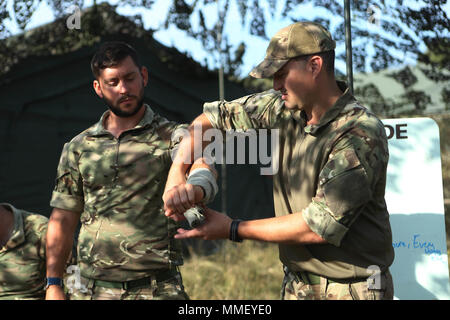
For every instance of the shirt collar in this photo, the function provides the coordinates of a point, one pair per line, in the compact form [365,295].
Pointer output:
[18,234]
[331,114]
[99,128]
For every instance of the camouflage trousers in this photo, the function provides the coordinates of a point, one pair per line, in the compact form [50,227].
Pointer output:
[295,288]
[170,289]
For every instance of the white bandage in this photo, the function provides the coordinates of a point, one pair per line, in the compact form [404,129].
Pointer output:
[204,178]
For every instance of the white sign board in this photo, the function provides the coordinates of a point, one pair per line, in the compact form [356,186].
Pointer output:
[414,197]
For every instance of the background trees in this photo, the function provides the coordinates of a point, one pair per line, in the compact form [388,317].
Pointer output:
[385,34]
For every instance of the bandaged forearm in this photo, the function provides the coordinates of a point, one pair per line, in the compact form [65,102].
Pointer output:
[204,178]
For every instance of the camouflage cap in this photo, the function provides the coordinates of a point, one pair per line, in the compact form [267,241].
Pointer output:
[297,39]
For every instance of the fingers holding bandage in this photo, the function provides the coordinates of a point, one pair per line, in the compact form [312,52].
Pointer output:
[199,188]
[204,178]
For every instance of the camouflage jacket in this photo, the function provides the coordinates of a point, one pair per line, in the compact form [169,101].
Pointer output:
[117,184]
[334,172]
[22,259]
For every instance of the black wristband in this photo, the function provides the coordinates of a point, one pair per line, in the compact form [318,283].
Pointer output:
[234,230]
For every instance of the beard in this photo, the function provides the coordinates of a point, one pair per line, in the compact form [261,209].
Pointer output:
[115,107]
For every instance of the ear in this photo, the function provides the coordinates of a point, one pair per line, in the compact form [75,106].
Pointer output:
[97,88]
[315,65]
[144,74]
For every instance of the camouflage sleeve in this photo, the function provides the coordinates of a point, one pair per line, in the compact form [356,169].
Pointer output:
[68,191]
[172,133]
[179,131]
[35,226]
[346,184]
[41,224]
[255,111]
[42,230]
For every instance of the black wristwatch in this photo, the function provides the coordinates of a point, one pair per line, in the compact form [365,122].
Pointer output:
[54,281]
[234,230]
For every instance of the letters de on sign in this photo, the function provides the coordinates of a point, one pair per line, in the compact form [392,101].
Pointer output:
[397,131]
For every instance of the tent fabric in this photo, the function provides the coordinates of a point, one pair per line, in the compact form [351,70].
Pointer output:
[46,102]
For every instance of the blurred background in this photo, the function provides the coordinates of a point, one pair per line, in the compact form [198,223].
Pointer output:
[198,51]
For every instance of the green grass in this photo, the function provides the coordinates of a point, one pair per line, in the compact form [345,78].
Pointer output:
[249,270]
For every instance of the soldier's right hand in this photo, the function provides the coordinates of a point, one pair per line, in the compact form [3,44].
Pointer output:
[55,292]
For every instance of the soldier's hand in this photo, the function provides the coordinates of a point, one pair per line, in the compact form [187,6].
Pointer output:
[180,198]
[55,292]
[216,226]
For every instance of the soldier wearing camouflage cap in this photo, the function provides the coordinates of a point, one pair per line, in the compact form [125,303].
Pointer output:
[111,178]
[331,223]
[22,254]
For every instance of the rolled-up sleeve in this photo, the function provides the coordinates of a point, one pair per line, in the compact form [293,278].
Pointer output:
[254,111]
[177,133]
[68,191]
[342,192]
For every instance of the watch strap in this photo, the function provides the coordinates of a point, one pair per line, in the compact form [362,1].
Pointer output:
[54,281]
[234,230]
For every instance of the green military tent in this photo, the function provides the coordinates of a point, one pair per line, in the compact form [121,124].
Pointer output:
[47,98]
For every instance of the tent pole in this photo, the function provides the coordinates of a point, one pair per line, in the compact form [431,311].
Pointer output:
[348,44]
[222,98]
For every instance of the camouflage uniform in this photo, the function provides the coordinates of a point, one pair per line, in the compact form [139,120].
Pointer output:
[117,184]
[335,173]
[22,259]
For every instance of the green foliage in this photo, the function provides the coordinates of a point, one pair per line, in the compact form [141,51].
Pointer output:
[397,31]
[373,98]
[99,22]
[401,26]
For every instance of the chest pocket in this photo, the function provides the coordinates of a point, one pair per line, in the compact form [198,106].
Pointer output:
[98,168]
